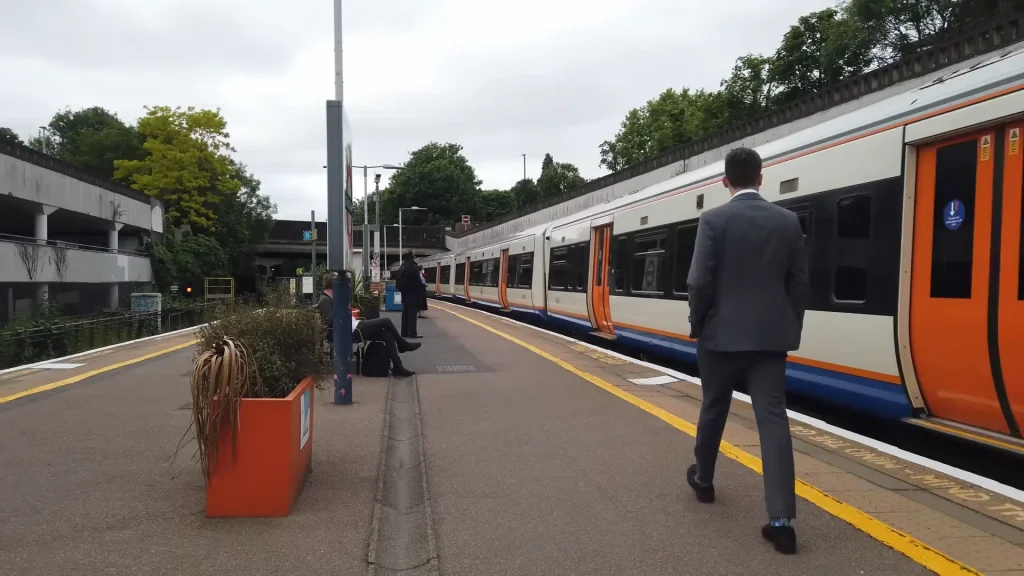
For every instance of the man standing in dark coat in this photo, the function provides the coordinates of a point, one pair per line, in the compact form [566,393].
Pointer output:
[411,287]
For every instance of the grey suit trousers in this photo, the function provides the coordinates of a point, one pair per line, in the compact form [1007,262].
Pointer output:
[765,376]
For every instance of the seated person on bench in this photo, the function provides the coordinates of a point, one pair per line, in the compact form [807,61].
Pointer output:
[378,329]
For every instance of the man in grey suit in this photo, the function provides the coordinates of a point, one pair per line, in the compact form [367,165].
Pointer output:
[748,289]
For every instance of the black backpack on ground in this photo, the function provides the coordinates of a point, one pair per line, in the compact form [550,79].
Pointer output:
[374,361]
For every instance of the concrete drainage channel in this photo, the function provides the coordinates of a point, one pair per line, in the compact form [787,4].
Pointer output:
[402,533]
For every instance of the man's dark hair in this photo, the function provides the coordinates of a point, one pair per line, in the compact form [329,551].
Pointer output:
[742,166]
[328,282]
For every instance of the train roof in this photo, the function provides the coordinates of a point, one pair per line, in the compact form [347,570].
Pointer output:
[975,79]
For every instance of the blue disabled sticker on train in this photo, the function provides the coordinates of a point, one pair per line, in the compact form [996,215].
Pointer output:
[953,215]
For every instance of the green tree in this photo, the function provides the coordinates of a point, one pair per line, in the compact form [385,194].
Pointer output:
[8,135]
[187,167]
[525,193]
[666,122]
[244,219]
[749,91]
[193,256]
[496,204]
[557,178]
[897,28]
[436,177]
[821,49]
[93,139]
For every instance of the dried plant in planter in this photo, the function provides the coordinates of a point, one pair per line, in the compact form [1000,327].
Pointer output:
[221,377]
[251,353]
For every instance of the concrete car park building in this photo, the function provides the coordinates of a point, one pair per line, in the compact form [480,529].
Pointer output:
[67,236]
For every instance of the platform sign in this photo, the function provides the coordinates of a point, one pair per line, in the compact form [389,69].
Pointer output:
[307,284]
[986,147]
[1014,141]
[304,421]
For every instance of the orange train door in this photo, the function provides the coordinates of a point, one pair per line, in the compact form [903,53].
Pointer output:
[953,301]
[465,280]
[503,281]
[437,280]
[598,306]
[1011,279]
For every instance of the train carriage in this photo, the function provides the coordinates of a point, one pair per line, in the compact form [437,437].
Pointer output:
[912,213]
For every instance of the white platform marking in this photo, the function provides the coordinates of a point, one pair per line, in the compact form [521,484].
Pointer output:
[656,381]
[58,366]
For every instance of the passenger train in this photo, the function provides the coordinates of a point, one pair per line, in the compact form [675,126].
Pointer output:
[912,213]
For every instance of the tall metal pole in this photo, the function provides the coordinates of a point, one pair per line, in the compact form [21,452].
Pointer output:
[524,166]
[400,253]
[384,264]
[366,233]
[312,259]
[337,224]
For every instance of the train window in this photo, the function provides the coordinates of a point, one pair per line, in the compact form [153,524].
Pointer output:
[430,274]
[620,263]
[852,248]
[524,277]
[579,256]
[853,216]
[492,270]
[953,249]
[476,273]
[559,268]
[446,274]
[648,265]
[851,284]
[686,239]
[460,273]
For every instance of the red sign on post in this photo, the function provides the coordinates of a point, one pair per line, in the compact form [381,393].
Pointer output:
[465,219]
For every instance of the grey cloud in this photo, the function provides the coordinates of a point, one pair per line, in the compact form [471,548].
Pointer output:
[411,76]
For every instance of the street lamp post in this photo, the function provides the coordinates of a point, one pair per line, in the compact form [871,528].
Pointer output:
[524,166]
[400,253]
[366,216]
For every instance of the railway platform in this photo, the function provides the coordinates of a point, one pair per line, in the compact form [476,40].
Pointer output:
[513,451]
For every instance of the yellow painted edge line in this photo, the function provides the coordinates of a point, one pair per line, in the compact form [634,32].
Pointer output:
[92,373]
[966,434]
[903,543]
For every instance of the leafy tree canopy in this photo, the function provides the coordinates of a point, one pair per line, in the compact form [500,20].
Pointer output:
[822,48]
[557,178]
[188,166]
[8,135]
[92,139]
[436,177]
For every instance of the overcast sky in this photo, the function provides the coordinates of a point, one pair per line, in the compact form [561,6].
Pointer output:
[501,78]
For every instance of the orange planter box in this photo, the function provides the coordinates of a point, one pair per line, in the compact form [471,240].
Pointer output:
[263,475]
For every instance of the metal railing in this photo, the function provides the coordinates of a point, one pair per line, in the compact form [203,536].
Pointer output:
[15,239]
[50,339]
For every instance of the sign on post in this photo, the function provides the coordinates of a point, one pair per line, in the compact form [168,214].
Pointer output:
[465,218]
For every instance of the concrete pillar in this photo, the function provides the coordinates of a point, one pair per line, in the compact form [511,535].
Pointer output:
[114,301]
[41,226]
[42,234]
[112,238]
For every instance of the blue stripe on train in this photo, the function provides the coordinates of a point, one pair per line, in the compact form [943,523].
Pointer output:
[882,399]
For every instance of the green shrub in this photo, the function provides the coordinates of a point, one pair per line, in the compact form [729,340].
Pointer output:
[287,343]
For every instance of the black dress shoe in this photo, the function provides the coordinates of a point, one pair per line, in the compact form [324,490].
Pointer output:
[410,346]
[784,537]
[401,372]
[705,494]
[414,337]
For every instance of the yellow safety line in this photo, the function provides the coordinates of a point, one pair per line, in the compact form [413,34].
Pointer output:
[92,373]
[904,543]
